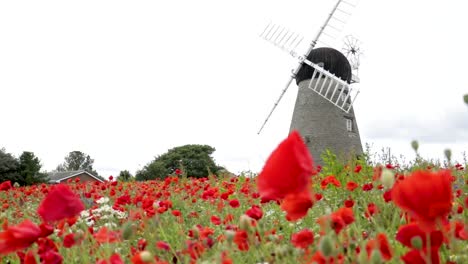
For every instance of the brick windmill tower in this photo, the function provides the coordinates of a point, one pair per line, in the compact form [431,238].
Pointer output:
[323,113]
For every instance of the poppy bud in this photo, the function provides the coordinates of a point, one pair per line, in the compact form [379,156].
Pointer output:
[387,178]
[376,257]
[415,145]
[326,246]
[229,235]
[416,242]
[127,231]
[245,222]
[282,251]
[195,231]
[448,154]
[146,256]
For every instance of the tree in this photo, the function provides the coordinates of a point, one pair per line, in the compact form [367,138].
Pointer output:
[77,160]
[9,166]
[124,176]
[194,160]
[29,169]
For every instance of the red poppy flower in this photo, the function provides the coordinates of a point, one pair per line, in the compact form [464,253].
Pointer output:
[6,185]
[241,240]
[349,203]
[407,233]
[387,196]
[318,196]
[358,168]
[367,187]
[346,214]
[303,238]
[419,257]
[331,179]
[215,220]
[60,203]
[18,237]
[351,186]
[297,205]
[426,196]
[106,236]
[287,170]
[255,212]
[337,220]
[380,243]
[163,245]
[371,210]
[234,203]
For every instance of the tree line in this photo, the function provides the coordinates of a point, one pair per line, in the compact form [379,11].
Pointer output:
[188,160]
[27,168]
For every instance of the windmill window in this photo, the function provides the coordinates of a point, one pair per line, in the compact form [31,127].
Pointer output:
[349,124]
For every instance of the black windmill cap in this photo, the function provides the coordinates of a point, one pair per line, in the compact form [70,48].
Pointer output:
[333,61]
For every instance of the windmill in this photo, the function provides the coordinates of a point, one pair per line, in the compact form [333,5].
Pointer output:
[326,78]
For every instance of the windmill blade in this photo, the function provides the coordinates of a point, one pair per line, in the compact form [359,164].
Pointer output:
[282,38]
[276,103]
[336,21]
[274,35]
[332,88]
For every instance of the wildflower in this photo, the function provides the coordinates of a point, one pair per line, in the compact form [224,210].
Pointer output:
[215,220]
[380,243]
[176,213]
[358,168]
[5,186]
[234,203]
[142,257]
[349,203]
[297,205]
[331,179]
[426,196]
[241,240]
[303,238]
[367,187]
[287,170]
[60,203]
[102,200]
[351,186]
[18,237]
[163,245]
[371,210]
[106,236]
[318,196]
[407,234]
[255,212]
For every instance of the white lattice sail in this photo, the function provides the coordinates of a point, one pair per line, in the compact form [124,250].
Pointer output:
[332,88]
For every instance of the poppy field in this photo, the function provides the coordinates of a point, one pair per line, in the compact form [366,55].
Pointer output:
[292,212]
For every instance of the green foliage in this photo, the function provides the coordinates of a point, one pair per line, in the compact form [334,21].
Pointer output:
[331,164]
[125,176]
[9,166]
[24,171]
[29,169]
[193,160]
[77,160]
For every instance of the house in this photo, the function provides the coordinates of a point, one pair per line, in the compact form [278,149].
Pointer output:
[64,176]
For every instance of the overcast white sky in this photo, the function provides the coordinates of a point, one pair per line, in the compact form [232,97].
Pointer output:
[124,81]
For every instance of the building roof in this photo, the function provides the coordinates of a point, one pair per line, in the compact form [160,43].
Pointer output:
[59,176]
[333,61]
